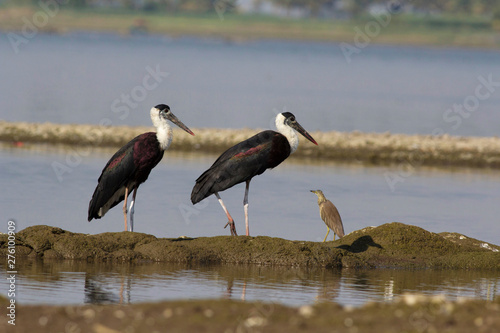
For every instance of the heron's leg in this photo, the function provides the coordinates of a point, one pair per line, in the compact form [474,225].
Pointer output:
[334,234]
[125,207]
[326,234]
[245,206]
[131,209]
[230,220]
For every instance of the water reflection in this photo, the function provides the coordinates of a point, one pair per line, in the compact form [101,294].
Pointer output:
[74,282]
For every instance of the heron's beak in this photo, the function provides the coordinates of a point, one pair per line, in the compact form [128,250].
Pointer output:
[296,126]
[173,118]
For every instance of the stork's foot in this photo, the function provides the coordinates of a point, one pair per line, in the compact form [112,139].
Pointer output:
[231,227]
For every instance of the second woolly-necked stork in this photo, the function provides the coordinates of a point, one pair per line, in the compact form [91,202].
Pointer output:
[131,165]
[247,159]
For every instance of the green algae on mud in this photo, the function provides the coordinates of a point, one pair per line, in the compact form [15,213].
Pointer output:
[392,245]
[409,313]
[355,147]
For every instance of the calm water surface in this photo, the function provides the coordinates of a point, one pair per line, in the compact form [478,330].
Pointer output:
[86,78]
[68,282]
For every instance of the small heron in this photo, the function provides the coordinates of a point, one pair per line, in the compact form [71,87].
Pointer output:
[131,164]
[330,215]
[247,159]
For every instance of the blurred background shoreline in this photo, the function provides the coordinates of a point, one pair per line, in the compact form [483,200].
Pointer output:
[451,23]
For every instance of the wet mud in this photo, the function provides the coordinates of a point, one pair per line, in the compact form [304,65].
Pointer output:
[392,245]
[410,313]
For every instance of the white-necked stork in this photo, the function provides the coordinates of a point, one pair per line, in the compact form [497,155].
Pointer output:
[247,159]
[130,166]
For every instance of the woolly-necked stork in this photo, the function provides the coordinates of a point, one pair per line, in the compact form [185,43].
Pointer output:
[130,166]
[247,159]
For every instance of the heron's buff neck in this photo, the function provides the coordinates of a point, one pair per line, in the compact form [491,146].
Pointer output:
[163,130]
[321,198]
[288,132]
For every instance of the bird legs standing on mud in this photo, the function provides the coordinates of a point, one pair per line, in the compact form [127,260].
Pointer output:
[245,206]
[125,208]
[230,220]
[131,209]
[132,203]
[328,233]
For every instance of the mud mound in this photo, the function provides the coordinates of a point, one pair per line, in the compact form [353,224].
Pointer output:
[390,245]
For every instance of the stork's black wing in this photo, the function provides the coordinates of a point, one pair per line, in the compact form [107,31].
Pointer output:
[242,162]
[129,166]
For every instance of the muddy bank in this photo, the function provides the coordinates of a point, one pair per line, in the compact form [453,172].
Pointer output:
[392,245]
[410,313]
[369,148]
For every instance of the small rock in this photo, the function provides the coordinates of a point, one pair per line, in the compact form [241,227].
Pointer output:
[43,320]
[99,328]
[255,322]
[88,314]
[209,313]
[168,313]
[488,247]
[348,322]
[306,311]
[120,314]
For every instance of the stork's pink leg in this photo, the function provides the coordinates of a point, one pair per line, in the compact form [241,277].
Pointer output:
[230,220]
[132,209]
[245,206]
[125,207]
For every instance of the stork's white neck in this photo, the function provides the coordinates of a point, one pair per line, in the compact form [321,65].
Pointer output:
[163,129]
[288,132]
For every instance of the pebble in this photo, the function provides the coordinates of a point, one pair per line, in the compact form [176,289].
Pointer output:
[306,311]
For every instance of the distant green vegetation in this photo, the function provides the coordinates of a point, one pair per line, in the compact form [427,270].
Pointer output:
[313,7]
[446,29]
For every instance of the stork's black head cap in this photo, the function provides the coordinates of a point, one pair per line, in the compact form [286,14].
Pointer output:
[288,115]
[162,107]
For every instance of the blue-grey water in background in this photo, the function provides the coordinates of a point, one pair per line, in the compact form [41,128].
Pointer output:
[85,78]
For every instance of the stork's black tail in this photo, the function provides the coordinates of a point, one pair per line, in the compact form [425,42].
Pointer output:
[202,188]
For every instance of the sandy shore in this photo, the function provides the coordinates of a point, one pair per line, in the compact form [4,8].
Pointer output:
[369,148]
[409,313]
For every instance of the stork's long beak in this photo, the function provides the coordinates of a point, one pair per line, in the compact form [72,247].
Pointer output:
[175,120]
[296,126]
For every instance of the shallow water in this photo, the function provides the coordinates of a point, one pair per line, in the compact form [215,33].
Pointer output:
[89,78]
[68,282]
[464,201]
